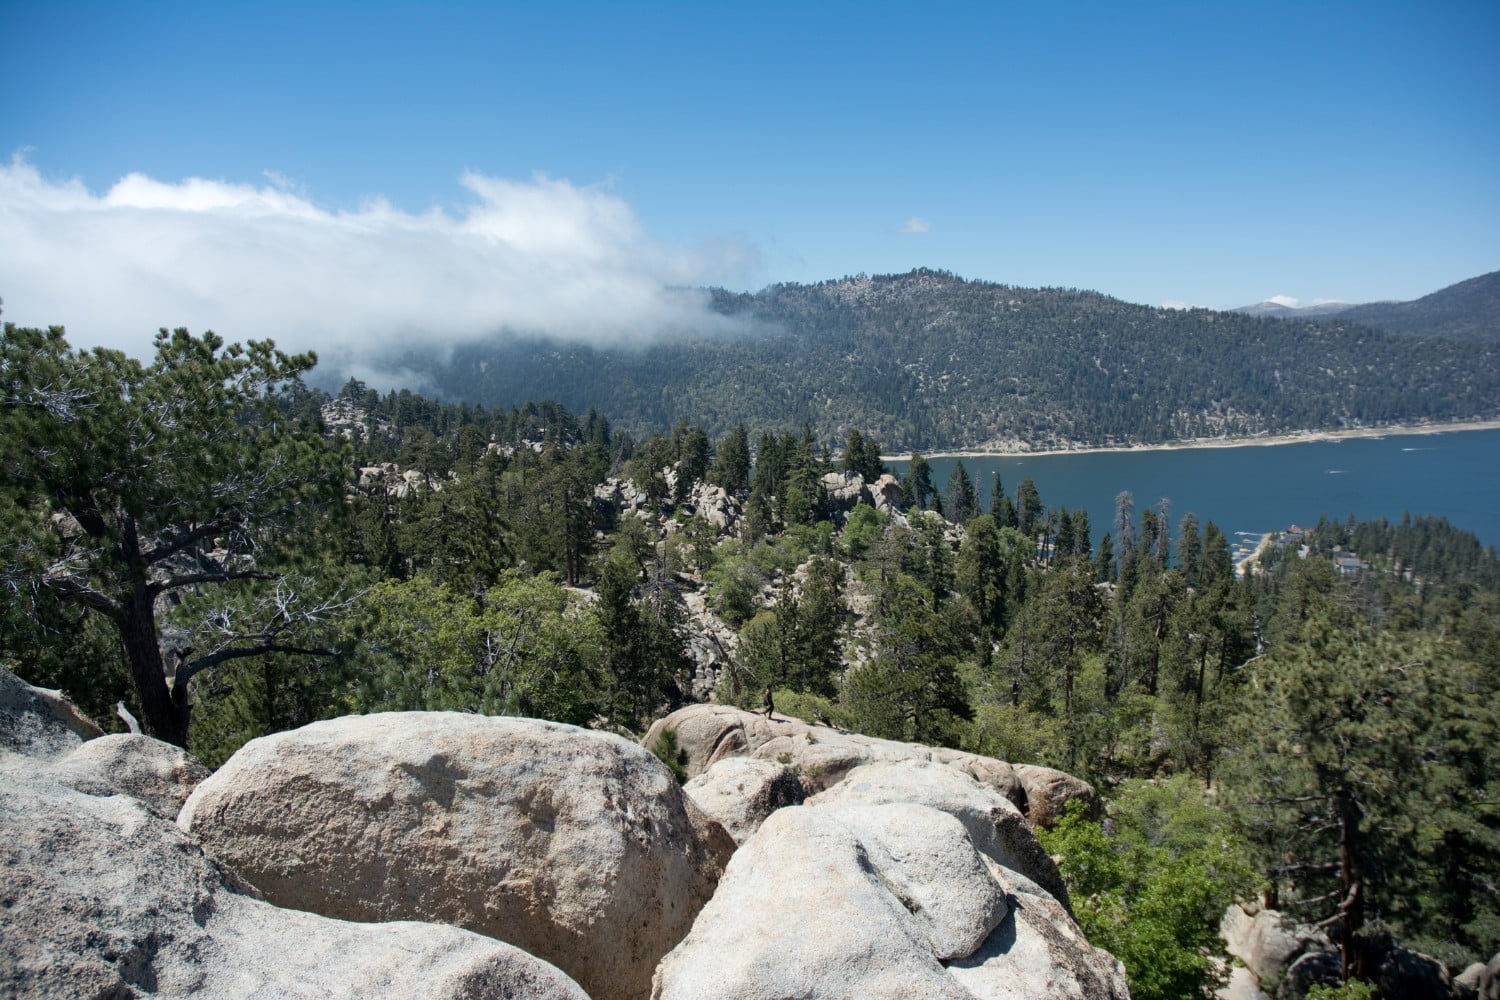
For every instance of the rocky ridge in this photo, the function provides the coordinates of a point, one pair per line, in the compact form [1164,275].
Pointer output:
[104,897]
[1283,959]
[581,862]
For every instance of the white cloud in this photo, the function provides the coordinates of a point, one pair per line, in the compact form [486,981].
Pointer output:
[916,225]
[1284,300]
[542,256]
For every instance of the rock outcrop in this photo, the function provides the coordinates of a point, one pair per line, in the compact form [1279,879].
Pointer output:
[912,871]
[715,505]
[158,775]
[103,897]
[1265,942]
[298,868]
[823,756]
[39,722]
[577,846]
[994,824]
[388,479]
[1286,959]
[740,792]
[1050,791]
[888,494]
[1480,980]
[709,644]
[876,901]
[846,490]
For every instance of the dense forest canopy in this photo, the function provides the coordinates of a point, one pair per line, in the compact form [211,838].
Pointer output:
[927,360]
[1322,737]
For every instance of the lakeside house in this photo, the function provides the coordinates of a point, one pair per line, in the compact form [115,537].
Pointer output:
[1349,564]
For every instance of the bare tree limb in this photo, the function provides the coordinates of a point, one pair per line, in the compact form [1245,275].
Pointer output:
[124,713]
[188,670]
[223,576]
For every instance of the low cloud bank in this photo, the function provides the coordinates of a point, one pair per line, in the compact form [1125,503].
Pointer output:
[542,257]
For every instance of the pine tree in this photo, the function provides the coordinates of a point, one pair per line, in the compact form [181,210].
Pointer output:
[731,466]
[1104,560]
[693,456]
[854,452]
[1029,510]
[911,688]
[1342,766]
[130,483]
[1190,550]
[980,574]
[963,503]
[1218,562]
[919,489]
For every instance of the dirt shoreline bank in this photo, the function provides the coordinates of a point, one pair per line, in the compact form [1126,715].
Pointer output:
[1300,437]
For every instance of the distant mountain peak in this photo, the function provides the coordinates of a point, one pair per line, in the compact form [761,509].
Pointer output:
[1280,310]
[1469,310]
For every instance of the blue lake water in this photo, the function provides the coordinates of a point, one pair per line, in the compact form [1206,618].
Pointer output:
[1252,490]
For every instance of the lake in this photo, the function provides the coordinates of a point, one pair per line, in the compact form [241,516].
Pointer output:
[1248,491]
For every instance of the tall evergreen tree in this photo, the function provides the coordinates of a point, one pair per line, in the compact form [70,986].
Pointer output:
[854,453]
[870,466]
[1029,510]
[963,503]
[1218,562]
[694,455]
[1342,757]
[1190,549]
[980,574]
[1083,543]
[731,466]
[128,484]
[1163,552]
[1104,560]
[911,688]
[919,489]
[1124,528]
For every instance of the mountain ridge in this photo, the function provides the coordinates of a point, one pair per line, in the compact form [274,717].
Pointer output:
[929,360]
[1467,310]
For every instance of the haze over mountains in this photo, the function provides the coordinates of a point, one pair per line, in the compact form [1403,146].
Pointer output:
[928,360]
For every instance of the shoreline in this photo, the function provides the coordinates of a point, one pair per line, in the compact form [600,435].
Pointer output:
[1246,566]
[1293,437]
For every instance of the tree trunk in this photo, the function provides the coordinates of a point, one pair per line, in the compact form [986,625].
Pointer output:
[1352,907]
[163,711]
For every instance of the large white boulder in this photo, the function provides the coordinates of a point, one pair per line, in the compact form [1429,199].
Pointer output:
[1481,979]
[103,898]
[158,774]
[1039,954]
[1266,941]
[879,901]
[993,822]
[821,755]
[740,792]
[1049,792]
[810,907]
[576,846]
[40,722]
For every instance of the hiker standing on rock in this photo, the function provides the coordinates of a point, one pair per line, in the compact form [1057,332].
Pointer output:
[767,704]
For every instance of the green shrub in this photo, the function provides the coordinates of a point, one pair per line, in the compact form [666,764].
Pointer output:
[669,753]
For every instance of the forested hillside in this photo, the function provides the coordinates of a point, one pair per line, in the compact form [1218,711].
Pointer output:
[1469,310]
[231,554]
[929,361]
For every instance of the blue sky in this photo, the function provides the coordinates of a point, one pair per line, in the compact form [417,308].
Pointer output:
[1204,153]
